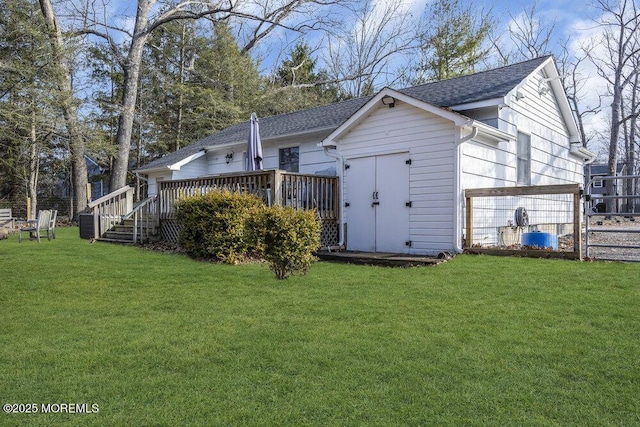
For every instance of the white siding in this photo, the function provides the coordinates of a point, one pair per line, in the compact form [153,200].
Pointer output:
[312,157]
[538,115]
[152,183]
[193,169]
[488,165]
[429,139]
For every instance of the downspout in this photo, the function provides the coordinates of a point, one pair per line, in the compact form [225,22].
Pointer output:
[340,170]
[457,231]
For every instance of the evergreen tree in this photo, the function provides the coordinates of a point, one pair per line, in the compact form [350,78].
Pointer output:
[195,81]
[297,85]
[453,41]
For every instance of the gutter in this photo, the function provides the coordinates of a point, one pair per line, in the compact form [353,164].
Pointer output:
[340,169]
[457,231]
[586,155]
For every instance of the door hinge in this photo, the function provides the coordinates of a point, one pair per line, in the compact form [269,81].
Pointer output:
[346,166]
[408,162]
[346,205]
[408,204]
[407,243]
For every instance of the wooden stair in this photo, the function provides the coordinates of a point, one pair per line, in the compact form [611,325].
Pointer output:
[123,233]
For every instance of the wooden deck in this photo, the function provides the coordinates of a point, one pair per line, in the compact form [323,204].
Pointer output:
[380,258]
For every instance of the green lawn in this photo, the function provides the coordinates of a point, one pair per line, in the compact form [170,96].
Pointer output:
[159,339]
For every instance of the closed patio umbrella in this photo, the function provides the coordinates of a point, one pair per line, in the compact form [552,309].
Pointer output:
[254,146]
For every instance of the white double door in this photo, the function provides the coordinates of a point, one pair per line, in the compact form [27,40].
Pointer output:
[378,203]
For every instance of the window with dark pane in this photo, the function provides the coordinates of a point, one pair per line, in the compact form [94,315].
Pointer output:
[289,159]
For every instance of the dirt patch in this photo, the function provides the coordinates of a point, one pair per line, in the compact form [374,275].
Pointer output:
[163,246]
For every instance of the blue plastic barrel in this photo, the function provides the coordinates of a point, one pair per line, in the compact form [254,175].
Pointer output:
[540,240]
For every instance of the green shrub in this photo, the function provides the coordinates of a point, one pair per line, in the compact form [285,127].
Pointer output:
[289,238]
[212,225]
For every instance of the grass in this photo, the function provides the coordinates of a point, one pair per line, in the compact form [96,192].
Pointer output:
[159,339]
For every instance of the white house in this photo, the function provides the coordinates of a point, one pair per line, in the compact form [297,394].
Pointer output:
[405,156]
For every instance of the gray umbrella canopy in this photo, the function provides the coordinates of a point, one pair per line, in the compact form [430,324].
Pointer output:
[254,146]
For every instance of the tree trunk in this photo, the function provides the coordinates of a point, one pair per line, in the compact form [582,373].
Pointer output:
[130,90]
[611,185]
[69,111]
[34,168]
[633,127]
[181,94]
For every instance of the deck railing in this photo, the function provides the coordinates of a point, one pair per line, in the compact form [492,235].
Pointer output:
[110,209]
[275,187]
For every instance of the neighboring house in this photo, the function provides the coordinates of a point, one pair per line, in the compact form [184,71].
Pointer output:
[593,174]
[97,178]
[405,156]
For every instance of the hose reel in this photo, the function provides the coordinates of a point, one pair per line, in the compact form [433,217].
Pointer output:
[521,217]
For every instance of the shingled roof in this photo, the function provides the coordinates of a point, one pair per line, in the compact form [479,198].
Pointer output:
[486,85]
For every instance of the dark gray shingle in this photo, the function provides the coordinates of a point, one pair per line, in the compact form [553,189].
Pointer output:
[480,86]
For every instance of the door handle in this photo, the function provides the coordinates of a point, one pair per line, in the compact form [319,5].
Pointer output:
[375,204]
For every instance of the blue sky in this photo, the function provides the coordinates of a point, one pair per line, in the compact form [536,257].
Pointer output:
[572,18]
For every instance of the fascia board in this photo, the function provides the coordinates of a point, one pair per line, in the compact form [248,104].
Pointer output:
[176,166]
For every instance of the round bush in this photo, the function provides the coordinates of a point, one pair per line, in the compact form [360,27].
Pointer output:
[289,239]
[212,225]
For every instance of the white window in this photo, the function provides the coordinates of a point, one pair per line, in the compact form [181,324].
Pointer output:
[523,166]
[597,183]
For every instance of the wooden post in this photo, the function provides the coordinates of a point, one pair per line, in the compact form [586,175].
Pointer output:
[88,193]
[96,226]
[469,222]
[577,225]
[277,187]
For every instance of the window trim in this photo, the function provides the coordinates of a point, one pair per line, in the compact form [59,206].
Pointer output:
[520,160]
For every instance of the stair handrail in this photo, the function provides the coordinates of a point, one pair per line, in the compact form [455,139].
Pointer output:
[143,211]
[110,208]
[140,206]
[108,197]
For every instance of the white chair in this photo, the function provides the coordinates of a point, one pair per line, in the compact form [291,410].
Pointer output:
[6,219]
[35,226]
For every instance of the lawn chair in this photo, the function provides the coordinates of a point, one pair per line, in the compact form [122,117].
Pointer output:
[6,219]
[35,226]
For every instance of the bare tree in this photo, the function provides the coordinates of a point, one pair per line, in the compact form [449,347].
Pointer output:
[630,109]
[575,83]
[69,109]
[363,56]
[619,44]
[528,37]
